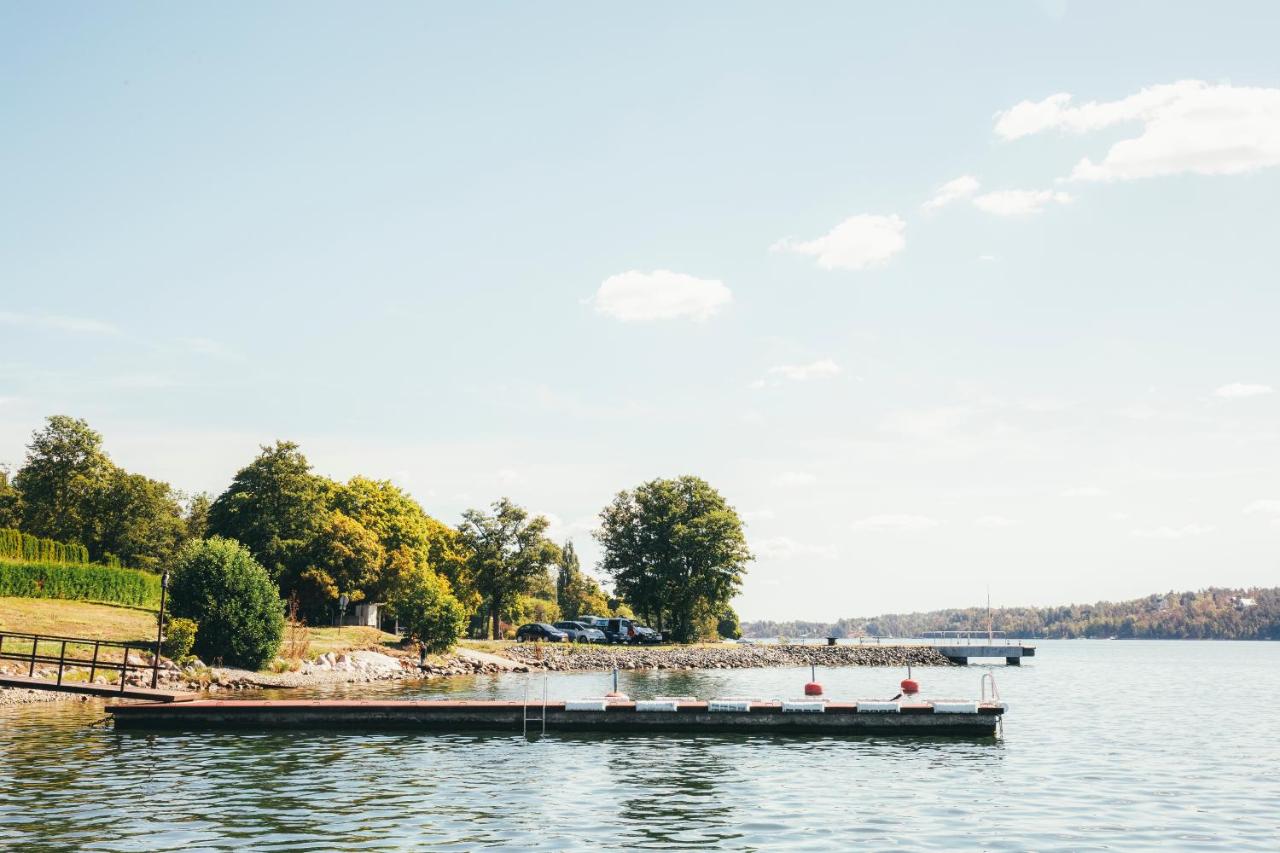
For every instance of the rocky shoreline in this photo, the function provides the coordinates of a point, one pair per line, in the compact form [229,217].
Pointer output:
[369,665]
[746,656]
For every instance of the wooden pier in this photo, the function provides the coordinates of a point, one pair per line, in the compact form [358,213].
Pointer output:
[72,661]
[619,717]
[107,691]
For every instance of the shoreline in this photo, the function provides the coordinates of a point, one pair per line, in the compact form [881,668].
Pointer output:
[384,664]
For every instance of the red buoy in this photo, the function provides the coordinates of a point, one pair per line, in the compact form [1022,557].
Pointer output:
[813,688]
[909,687]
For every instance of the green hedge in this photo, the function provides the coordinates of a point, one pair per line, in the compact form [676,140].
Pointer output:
[16,545]
[81,583]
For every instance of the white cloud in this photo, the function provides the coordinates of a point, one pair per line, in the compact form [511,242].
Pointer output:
[1019,202]
[857,243]
[895,522]
[780,373]
[1172,532]
[1263,507]
[794,478]
[1242,389]
[660,295]
[58,323]
[987,258]
[994,522]
[786,548]
[1187,126]
[1083,492]
[962,187]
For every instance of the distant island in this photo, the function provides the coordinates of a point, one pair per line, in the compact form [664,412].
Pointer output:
[1209,614]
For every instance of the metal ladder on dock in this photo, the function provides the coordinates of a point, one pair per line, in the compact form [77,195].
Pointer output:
[541,718]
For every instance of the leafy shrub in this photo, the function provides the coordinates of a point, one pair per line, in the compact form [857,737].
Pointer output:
[179,638]
[217,583]
[16,545]
[427,610]
[80,583]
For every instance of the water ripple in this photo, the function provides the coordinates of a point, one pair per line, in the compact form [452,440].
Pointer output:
[1108,746]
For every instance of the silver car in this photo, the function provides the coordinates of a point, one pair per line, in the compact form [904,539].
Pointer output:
[580,632]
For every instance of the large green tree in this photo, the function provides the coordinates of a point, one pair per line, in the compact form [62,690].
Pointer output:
[508,553]
[344,558]
[137,519]
[675,550]
[65,471]
[72,492]
[275,506]
[406,533]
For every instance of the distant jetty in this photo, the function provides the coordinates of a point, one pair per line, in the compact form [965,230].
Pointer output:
[565,658]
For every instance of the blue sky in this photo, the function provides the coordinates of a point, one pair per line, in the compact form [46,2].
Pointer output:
[550,251]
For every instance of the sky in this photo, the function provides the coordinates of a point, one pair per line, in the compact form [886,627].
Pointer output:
[941,297]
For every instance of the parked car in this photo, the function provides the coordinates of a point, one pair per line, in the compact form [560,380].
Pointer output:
[540,631]
[647,635]
[580,632]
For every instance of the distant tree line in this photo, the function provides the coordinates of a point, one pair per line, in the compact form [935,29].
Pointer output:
[1209,614]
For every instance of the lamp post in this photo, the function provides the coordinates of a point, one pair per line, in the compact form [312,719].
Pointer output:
[343,600]
[155,660]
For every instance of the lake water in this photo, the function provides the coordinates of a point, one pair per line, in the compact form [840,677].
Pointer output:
[1108,745]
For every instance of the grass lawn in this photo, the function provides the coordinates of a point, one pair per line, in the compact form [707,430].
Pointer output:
[338,640]
[53,616]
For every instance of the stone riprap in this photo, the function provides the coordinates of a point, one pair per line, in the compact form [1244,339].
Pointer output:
[563,658]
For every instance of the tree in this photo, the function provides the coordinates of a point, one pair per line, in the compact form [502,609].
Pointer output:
[275,506]
[343,558]
[727,626]
[135,518]
[507,552]
[196,516]
[577,593]
[10,502]
[64,471]
[402,527]
[217,583]
[425,608]
[675,550]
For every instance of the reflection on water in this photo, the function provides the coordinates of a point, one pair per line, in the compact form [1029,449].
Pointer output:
[1104,747]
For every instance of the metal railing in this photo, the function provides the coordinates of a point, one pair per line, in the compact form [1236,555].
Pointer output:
[965,636]
[11,643]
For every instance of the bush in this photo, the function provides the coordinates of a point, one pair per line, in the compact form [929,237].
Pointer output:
[217,583]
[80,583]
[179,637]
[427,610]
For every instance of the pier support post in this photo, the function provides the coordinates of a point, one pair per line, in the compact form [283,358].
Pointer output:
[1013,661]
[958,661]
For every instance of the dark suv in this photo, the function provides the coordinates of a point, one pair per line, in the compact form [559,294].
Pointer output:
[536,631]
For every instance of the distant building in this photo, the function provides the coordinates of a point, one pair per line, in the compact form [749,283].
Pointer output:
[1245,603]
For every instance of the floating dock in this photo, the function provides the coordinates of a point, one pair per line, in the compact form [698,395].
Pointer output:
[1012,655]
[916,717]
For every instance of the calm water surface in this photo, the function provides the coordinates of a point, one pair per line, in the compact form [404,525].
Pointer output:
[1108,745]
